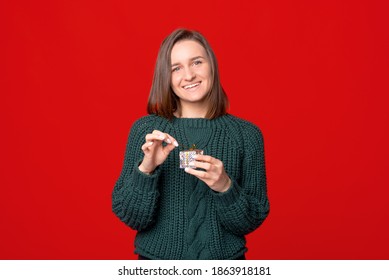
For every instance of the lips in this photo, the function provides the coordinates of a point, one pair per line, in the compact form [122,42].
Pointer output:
[191,86]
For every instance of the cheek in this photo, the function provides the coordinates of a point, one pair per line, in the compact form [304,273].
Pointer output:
[208,76]
[175,81]
[206,73]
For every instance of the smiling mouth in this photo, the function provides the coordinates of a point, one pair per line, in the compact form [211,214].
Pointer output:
[192,85]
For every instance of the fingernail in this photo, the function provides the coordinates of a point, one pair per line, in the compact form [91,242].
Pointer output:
[186,169]
[195,156]
[151,143]
[161,137]
[175,143]
[168,141]
[191,164]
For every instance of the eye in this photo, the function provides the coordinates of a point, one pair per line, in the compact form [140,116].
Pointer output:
[176,69]
[197,62]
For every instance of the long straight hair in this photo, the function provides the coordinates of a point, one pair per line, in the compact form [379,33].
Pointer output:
[162,100]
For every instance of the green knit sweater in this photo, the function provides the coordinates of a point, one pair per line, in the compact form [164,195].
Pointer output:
[178,216]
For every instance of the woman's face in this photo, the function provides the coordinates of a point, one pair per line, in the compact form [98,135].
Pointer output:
[191,72]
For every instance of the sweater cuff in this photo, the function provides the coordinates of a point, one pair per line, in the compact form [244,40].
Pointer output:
[145,182]
[229,197]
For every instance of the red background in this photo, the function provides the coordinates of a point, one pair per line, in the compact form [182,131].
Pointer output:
[313,75]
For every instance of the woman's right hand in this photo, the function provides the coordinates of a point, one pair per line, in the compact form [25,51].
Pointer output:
[155,152]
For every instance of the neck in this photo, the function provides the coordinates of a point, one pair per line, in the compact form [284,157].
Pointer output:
[191,111]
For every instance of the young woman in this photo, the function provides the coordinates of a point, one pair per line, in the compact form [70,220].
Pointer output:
[205,211]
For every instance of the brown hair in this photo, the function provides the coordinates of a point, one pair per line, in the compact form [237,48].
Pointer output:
[162,100]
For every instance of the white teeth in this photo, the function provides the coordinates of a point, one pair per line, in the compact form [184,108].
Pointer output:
[191,86]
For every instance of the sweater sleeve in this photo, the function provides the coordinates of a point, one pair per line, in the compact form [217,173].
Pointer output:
[245,206]
[135,195]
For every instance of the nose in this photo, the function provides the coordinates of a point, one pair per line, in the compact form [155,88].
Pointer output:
[189,74]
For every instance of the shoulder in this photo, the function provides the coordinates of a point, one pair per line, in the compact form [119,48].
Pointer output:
[148,122]
[246,133]
[243,126]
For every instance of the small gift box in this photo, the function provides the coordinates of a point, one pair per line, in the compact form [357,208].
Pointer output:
[186,157]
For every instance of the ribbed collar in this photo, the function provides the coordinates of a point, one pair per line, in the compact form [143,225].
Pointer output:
[199,122]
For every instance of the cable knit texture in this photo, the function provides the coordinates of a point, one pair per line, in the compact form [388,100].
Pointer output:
[178,216]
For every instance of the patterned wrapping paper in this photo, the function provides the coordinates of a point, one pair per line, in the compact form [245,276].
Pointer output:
[186,157]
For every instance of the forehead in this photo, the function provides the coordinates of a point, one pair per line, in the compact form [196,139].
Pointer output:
[185,50]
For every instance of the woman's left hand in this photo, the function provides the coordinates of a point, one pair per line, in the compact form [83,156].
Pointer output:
[214,175]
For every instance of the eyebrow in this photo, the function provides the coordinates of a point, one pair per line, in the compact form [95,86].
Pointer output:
[193,58]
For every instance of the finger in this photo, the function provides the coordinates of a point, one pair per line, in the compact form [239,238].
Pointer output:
[168,148]
[202,175]
[161,136]
[157,132]
[171,140]
[198,164]
[155,137]
[146,145]
[167,138]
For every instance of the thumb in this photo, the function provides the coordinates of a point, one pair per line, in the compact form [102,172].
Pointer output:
[170,147]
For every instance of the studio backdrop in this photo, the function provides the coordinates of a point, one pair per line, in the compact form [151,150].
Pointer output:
[313,75]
